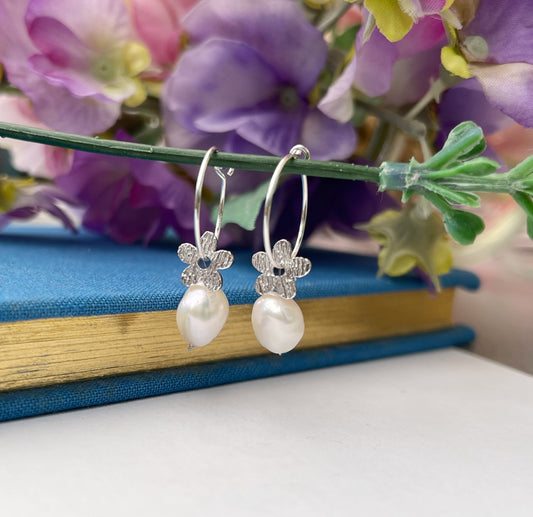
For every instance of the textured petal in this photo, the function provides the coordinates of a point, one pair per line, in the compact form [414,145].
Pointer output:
[286,287]
[188,253]
[299,267]
[282,253]
[514,98]
[212,279]
[326,138]
[261,262]
[265,284]
[209,243]
[222,259]
[277,29]
[190,275]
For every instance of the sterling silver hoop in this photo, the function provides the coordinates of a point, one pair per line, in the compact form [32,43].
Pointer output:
[297,152]
[220,171]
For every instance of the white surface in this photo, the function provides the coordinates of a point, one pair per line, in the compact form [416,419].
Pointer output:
[441,433]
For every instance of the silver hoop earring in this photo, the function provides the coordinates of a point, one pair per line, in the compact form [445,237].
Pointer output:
[277,319]
[204,308]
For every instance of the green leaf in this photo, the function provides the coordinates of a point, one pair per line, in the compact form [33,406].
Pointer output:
[530,227]
[476,167]
[522,170]
[345,40]
[458,198]
[464,141]
[462,226]
[525,202]
[243,209]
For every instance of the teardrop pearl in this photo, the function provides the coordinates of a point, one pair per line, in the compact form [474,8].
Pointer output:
[201,315]
[278,323]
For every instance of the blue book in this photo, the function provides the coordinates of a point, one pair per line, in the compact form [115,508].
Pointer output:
[85,321]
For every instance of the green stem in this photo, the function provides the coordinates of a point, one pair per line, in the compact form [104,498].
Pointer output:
[326,24]
[189,156]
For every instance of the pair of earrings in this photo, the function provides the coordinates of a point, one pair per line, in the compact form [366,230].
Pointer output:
[277,320]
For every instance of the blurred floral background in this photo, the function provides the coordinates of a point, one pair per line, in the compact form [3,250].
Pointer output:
[362,81]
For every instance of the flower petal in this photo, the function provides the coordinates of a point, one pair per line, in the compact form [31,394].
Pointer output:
[277,29]
[222,259]
[261,262]
[515,98]
[299,267]
[282,253]
[188,253]
[286,287]
[190,275]
[209,243]
[211,278]
[265,284]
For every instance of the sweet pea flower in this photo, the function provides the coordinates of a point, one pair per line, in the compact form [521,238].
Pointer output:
[245,81]
[35,159]
[395,18]
[158,23]
[496,47]
[402,71]
[76,65]
[130,199]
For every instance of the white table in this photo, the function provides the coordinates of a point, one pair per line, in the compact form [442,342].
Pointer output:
[441,433]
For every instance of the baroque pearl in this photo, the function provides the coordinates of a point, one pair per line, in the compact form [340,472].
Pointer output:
[278,323]
[201,315]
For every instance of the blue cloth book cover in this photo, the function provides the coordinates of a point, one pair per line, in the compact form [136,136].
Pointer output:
[84,321]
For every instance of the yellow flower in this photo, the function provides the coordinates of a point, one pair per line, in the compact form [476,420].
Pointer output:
[9,189]
[410,237]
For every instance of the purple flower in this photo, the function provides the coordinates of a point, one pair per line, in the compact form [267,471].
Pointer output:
[498,44]
[76,64]
[130,199]
[246,80]
[401,71]
[32,200]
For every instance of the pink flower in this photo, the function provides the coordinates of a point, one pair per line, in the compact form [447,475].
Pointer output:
[35,159]
[158,23]
[76,63]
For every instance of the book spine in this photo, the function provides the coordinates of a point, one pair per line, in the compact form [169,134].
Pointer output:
[51,399]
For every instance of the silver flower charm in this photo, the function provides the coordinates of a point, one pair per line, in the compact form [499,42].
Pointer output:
[204,270]
[282,282]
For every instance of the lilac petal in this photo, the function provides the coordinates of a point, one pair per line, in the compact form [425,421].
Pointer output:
[213,81]
[188,253]
[277,29]
[514,97]
[467,101]
[15,44]
[371,79]
[506,27]
[273,129]
[338,102]
[261,262]
[412,76]
[190,275]
[326,138]
[426,33]
[94,22]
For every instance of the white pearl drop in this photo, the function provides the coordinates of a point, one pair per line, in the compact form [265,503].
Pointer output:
[278,323]
[201,315]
